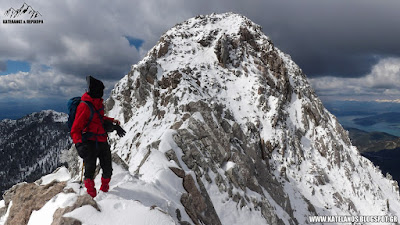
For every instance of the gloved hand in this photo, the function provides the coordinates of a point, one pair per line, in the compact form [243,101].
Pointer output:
[108,126]
[82,150]
[121,132]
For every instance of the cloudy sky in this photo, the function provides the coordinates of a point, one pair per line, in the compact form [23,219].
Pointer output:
[348,49]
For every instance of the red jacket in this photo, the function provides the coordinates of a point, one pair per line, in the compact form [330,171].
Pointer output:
[82,118]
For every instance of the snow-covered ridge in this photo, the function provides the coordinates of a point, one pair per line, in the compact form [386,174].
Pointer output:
[9,121]
[57,117]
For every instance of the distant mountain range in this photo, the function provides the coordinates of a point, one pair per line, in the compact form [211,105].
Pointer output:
[381,148]
[373,141]
[30,146]
[390,117]
[24,10]
[360,109]
[387,161]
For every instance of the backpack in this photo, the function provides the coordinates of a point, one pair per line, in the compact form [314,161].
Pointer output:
[72,106]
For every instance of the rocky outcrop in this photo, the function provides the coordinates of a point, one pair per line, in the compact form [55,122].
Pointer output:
[70,159]
[26,197]
[58,217]
[224,144]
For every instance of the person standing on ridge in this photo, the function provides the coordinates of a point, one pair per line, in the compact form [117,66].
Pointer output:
[90,137]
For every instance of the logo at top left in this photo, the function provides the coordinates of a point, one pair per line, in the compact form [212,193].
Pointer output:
[25,10]
[25,14]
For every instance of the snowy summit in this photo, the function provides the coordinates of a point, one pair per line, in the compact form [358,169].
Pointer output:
[222,128]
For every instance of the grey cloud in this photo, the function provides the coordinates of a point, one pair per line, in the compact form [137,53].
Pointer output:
[107,53]
[337,38]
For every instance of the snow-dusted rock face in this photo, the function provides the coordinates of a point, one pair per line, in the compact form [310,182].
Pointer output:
[238,124]
[30,146]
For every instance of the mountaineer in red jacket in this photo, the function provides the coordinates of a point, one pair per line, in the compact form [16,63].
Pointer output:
[90,136]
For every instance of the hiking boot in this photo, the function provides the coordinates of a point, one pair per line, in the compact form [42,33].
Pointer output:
[104,184]
[91,190]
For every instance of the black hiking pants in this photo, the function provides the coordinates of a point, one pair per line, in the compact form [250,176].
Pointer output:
[99,150]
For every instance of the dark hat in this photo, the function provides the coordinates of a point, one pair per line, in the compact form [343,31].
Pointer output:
[95,87]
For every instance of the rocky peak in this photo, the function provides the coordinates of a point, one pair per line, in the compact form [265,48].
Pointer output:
[244,128]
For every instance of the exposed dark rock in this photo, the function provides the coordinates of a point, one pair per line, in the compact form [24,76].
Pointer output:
[179,172]
[164,48]
[208,39]
[199,208]
[71,159]
[222,50]
[171,81]
[247,36]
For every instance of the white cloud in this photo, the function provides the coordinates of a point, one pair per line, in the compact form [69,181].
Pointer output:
[39,84]
[383,83]
[385,75]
